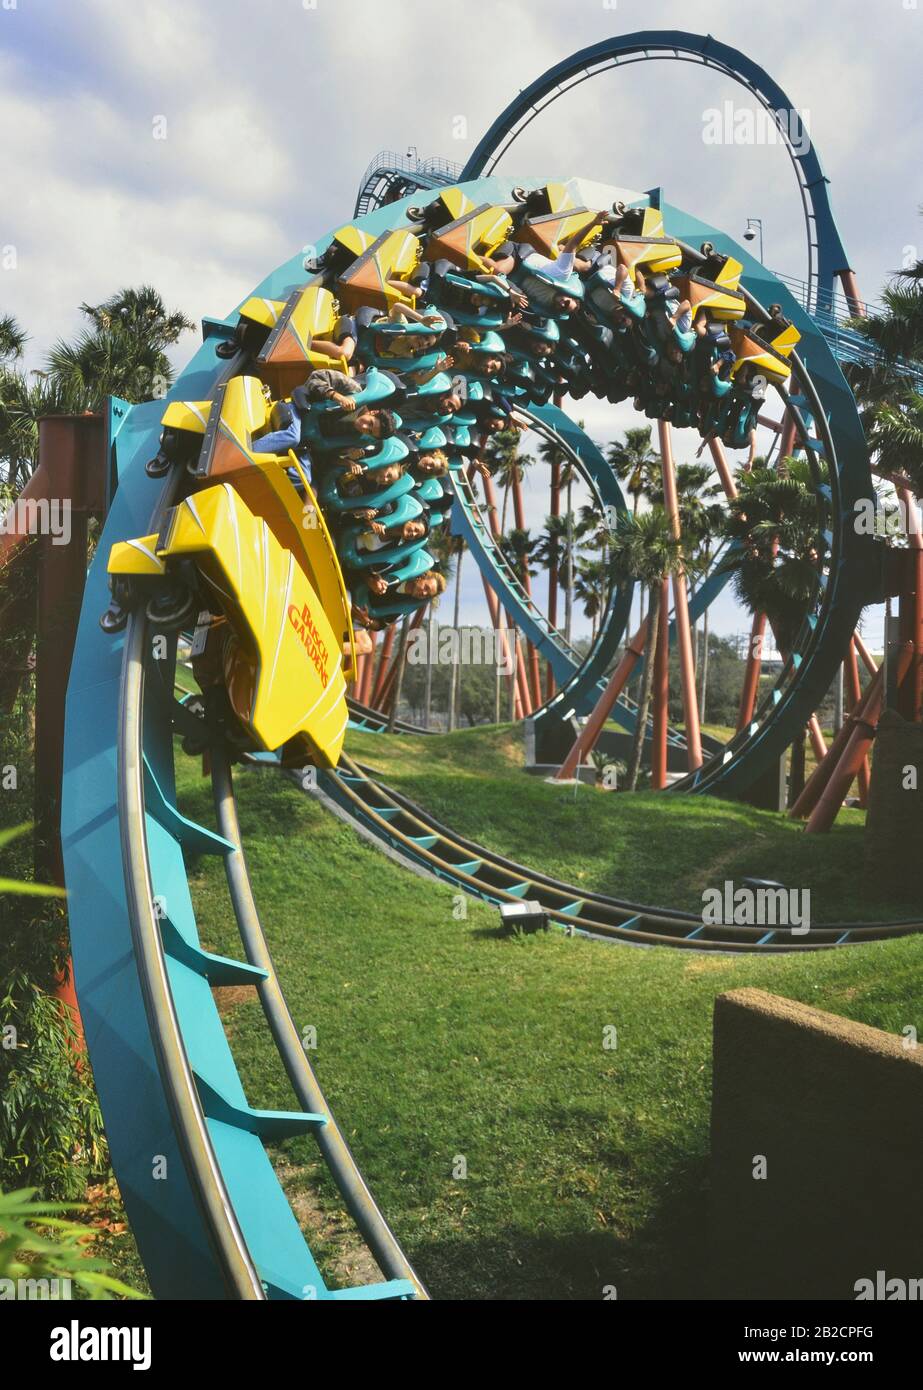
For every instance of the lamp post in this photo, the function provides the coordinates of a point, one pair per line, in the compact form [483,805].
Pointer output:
[754,228]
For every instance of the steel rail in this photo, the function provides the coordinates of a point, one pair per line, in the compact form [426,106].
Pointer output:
[560,898]
[330,1140]
[229,1247]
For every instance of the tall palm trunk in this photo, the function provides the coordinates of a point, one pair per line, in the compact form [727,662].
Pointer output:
[399,677]
[647,685]
[455,674]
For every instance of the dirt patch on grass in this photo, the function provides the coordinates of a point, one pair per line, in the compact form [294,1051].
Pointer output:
[340,1250]
[704,965]
[230,997]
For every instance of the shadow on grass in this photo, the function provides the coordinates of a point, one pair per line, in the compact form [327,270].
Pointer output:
[665,1258]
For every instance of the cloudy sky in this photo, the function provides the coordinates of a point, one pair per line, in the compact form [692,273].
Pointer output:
[195,144]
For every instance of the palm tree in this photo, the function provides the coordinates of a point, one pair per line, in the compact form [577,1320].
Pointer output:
[551,454]
[142,313]
[775,520]
[13,339]
[635,462]
[891,403]
[518,548]
[594,527]
[555,549]
[591,588]
[700,516]
[508,467]
[123,352]
[645,551]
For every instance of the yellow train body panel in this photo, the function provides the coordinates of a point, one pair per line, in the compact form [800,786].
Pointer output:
[263,311]
[284,676]
[136,557]
[314,316]
[324,568]
[786,340]
[722,304]
[652,257]
[557,197]
[649,249]
[191,416]
[455,202]
[728,277]
[393,256]
[244,412]
[352,238]
[466,241]
[288,355]
[261,480]
[296,523]
[547,232]
[770,360]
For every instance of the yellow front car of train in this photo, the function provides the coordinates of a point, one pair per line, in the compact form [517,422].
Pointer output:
[283,662]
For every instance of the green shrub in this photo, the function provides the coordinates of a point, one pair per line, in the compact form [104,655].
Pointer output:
[50,1124]
[38,1243]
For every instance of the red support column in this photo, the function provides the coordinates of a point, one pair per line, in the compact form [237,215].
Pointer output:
[522,681]
[522,676]
[368,671]
[851,290]
[817,783]
[815,734]
[72,473]
[854,696]
[390,681]
[868,661]
[723,468]
[382,673]
[681,609]
[840,770]
[661,694]
[752,671]
[586,740]
[493,607]
[535,680]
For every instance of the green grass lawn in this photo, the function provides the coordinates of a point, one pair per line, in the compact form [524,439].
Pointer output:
[440,1039]
[656,849]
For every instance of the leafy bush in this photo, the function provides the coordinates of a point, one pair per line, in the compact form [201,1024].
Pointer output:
[50,1124]
[38,1243]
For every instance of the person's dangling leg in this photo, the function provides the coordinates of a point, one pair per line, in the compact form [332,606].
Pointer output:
[280,441]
